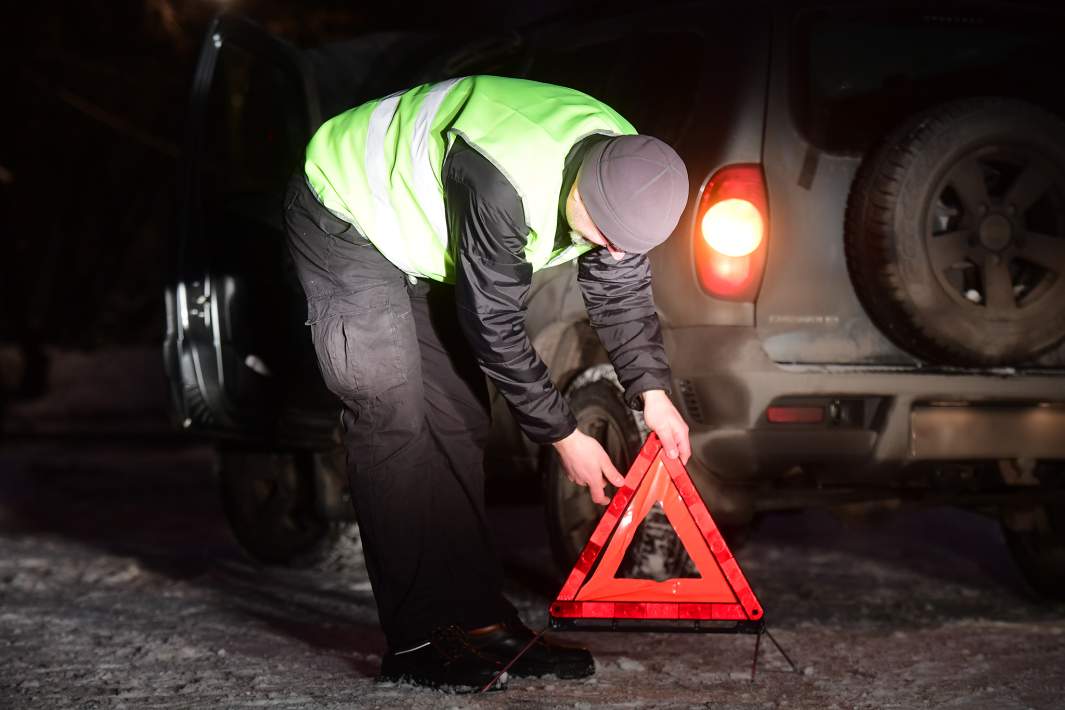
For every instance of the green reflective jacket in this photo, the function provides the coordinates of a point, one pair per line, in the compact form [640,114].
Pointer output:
[379,165]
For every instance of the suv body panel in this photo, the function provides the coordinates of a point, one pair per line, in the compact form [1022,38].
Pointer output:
[807,310]
[730,360]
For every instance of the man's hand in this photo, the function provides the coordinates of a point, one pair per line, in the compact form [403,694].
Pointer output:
[587,464]
[664,420]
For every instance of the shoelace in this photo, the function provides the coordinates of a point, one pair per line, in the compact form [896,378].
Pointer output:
[502,672]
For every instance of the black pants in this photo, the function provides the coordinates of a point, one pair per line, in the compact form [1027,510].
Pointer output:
[416,420]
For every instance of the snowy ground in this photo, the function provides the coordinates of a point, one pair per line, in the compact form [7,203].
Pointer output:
[120,587]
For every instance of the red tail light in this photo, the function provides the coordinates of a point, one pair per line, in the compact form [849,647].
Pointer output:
[795,415]
[731,231]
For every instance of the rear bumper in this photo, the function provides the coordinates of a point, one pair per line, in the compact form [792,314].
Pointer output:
[977,432]
[876,418]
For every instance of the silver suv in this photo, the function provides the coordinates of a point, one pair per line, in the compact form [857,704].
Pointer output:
[864,304]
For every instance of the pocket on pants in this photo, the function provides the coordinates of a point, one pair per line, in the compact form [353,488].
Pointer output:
[359,346]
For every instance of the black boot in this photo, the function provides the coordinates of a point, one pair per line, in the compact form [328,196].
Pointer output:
[449,662]
[501,642]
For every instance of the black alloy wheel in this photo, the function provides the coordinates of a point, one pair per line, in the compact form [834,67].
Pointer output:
[996,231]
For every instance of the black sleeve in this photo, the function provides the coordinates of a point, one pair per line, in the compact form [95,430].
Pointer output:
[485,215]
[621,308]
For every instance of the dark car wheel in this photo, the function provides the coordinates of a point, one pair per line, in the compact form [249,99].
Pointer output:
[602,414]
[269,501]
[1036,538]
[955,233]
[656,551]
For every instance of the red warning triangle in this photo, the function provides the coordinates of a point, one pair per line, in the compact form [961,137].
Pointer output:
[721,592]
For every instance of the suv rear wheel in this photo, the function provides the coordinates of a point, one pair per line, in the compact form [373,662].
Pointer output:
[955,233]
[1036,538]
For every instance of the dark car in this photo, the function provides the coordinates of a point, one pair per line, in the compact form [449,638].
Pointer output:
[865,302]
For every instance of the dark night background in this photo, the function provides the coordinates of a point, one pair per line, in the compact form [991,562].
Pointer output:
[93,128]
[121,584]
[97,95]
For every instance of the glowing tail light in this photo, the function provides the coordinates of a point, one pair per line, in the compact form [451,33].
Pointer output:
[731,233]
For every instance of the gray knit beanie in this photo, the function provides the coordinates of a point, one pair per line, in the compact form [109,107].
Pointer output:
[635,189]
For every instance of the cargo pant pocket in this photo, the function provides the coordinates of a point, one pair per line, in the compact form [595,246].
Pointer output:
[360,341]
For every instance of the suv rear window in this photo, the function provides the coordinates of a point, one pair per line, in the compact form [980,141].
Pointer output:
[256,128]
[649,77]
[860,72]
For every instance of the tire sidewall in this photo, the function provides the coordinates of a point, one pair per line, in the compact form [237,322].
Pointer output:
[272,545]
[1040,552]
[928,308]
[598,397]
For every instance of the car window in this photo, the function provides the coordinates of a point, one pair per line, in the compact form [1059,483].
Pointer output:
[579,66]
[255,130]
[499,55]
[349,73]
[649,77]
[859,72]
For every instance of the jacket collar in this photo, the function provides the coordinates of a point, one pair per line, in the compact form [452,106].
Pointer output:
[569,174]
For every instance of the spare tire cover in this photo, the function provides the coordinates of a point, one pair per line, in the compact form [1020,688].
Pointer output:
[955,233]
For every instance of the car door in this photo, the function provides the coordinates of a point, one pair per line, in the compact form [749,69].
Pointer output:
[236,350]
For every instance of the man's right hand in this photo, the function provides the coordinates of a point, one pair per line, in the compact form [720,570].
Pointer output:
[587,464]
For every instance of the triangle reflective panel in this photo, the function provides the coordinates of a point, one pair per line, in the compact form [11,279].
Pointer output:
[593,590]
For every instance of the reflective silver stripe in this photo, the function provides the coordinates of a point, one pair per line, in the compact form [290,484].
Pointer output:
[426,180]
[414,648]
[386,223]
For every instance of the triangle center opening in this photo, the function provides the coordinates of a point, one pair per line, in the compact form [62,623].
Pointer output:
[656,551]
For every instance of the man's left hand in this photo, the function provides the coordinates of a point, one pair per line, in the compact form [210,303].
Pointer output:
[665,421]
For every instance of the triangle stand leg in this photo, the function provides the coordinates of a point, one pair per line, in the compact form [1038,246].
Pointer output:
[513,660]
[782,651]
[757,648]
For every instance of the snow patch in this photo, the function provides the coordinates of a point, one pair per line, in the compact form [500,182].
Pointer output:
[630,664]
